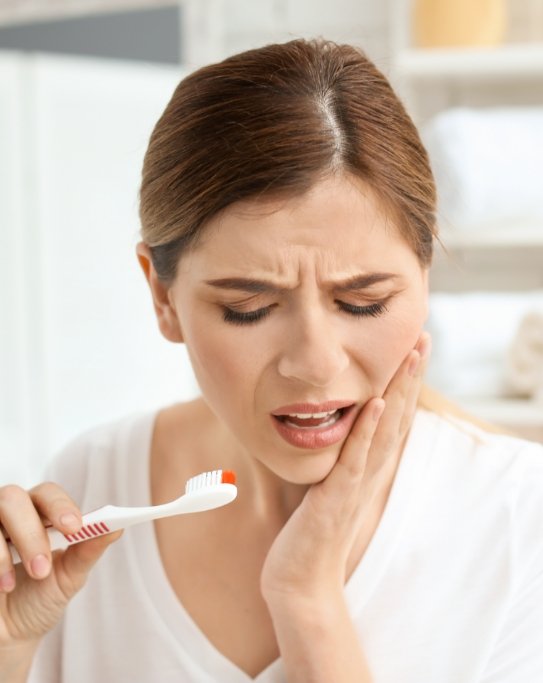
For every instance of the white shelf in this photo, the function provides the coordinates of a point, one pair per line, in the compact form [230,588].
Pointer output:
[510,237]
[508,412]
[522,60]
[13,12]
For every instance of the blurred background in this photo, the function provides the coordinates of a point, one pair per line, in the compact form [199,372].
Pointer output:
[82,83]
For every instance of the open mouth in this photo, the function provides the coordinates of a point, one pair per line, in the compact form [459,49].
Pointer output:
[321,420]
[315,430]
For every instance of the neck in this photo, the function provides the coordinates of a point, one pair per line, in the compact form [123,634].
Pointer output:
[262,494]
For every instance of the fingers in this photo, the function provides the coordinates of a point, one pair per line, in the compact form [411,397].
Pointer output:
[353,457]
[382,435]
[73,565]
[401,398]
[383,423]
[21,516]
[423,347]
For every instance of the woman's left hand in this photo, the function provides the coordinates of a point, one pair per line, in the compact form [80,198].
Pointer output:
[328,533]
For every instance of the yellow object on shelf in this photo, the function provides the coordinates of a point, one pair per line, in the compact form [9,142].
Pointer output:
[448,23]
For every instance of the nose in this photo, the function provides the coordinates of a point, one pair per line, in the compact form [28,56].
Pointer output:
[313,352]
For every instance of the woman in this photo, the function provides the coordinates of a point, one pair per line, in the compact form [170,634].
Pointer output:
[287,208]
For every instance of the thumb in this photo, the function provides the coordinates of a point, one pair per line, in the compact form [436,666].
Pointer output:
[75,562]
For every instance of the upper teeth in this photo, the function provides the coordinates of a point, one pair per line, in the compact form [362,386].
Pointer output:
[307,416]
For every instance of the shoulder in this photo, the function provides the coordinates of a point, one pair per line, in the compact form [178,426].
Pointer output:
[494,471]
[469,437]
[93,457]
[466,458]
[466,436]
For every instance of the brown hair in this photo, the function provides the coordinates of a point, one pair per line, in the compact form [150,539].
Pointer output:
[273,121]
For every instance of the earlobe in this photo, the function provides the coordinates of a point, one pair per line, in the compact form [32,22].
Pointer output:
[167,318]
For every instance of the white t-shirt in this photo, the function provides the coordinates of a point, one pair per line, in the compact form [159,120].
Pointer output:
[450,589]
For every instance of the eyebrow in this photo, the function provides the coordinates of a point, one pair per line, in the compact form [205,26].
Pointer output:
[264,286]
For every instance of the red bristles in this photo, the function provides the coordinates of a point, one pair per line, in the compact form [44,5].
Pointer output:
[228,477]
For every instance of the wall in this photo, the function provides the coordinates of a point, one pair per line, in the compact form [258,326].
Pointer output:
[147,35]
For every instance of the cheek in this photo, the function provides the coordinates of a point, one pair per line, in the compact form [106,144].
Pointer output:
[392,338]
[224,366]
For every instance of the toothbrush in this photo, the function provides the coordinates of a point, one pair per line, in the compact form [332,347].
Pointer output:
[205,491]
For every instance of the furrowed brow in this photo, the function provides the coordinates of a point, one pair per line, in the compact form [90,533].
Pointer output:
[361,281]
[264,286]
[246,285]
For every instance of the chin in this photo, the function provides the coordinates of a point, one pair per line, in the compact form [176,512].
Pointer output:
[302,470]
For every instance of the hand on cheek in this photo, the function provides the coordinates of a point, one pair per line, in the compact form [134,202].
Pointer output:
[401,397]
[312,554]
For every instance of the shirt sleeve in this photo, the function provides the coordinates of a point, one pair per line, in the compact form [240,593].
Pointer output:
[518,654]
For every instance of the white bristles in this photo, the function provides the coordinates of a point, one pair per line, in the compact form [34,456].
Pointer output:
[204,480]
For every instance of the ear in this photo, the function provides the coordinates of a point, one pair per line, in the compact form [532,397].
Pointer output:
[166,314]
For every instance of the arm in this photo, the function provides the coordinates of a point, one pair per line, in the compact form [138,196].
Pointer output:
[15,662]
[318,642]
[303,577]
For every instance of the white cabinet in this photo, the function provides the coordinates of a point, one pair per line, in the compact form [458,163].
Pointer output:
[502,258]
[79,342]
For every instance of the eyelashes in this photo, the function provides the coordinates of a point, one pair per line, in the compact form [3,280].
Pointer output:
[237,318]
[250,317]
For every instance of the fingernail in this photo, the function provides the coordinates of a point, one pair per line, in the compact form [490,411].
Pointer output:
[425,346]
[413,365]
[69,520]
[40,566]
[7,581]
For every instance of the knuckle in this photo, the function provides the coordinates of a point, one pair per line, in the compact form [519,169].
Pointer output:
[52,496]
[353,469]
[5,558]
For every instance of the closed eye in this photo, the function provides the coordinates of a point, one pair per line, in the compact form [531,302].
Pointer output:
[250,317]
[372,310]
[237,318]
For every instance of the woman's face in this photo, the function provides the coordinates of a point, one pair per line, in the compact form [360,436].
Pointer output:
[307,300]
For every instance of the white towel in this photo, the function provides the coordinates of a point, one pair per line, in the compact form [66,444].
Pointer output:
[487,164]
[471,335]
[525,358]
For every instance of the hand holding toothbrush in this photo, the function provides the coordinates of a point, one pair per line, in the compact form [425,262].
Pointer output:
[33,597]
[36,586]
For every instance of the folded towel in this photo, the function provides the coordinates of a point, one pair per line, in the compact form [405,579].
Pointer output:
[525,358]
[487,164]
[471,334]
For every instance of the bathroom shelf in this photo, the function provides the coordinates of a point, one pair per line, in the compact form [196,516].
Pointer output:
[506,411]
[521,417]
[522,61]
[495,237]
[500,259]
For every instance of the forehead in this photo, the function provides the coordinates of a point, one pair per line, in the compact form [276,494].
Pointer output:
[339,224]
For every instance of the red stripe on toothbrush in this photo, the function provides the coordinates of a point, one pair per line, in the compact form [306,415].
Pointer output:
[92,530]
[103,526]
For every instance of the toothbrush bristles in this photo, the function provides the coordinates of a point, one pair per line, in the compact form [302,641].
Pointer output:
[207,479]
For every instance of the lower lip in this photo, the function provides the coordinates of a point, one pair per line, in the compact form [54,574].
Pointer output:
[316,437]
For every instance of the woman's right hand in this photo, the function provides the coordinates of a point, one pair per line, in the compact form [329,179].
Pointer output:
[34,593]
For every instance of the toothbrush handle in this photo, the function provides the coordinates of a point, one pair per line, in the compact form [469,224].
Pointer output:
[91,528]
